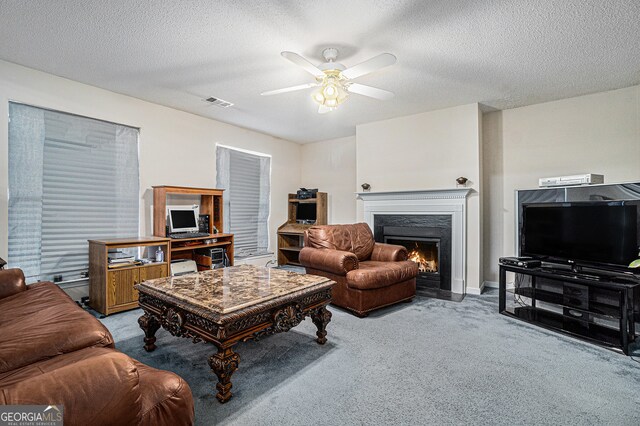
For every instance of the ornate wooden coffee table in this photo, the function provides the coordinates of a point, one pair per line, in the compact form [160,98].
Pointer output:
[231,305]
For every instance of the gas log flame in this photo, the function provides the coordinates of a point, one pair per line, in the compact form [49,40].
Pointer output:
[424,264]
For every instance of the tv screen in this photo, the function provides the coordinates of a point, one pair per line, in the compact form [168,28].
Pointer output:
[602,233]
[306,212]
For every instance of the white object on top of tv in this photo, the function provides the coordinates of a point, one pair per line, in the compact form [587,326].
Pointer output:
[584,179]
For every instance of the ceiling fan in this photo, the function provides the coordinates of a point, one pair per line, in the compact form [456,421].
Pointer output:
[334,80]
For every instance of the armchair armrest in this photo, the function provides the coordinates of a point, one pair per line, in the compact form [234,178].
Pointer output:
[333,261]
[388,253]
[11,282]
[99,390]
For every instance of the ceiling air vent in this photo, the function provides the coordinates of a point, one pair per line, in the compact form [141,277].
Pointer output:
[219,102]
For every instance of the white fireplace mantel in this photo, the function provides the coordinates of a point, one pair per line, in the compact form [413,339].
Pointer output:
[451,202]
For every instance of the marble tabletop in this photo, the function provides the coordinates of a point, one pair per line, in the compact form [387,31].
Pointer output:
[229,289]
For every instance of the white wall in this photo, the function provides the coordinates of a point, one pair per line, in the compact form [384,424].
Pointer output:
[428,151]
[597,133]
[176,148]
[330,166]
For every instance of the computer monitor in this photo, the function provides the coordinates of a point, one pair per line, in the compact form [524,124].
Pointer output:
[183,219]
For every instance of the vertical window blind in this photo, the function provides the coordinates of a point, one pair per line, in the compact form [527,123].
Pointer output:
[246,178]
[71,179]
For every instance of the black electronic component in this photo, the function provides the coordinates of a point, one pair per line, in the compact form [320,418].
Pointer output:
[523,262]
[304,193]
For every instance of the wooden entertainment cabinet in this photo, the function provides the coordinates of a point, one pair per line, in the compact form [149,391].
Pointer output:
[211,204]
[291,233]
[598,308]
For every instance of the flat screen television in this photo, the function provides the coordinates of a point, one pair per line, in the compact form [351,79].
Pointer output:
[601,234]
[306,212]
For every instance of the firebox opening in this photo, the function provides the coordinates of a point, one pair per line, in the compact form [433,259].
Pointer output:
[432,236]
[425,252]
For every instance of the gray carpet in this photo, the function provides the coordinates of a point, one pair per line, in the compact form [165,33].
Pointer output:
[430,362]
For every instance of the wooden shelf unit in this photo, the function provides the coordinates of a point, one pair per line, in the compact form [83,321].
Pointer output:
[210,203]
[111,289]
[291,233]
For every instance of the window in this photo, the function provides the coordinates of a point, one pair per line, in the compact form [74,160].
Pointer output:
[246,178]
[71,179]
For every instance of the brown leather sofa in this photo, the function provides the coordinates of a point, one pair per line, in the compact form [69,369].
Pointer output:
[53,352]
[370,275]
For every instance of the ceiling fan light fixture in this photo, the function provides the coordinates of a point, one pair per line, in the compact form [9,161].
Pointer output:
[339,95]
[332,91]
[334,81]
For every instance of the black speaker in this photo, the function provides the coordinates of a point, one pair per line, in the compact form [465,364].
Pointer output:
[203,223]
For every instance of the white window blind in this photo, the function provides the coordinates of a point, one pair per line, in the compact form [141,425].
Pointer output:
[246,178]
[71,179]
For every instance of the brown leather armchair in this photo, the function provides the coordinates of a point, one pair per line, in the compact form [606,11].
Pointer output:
[370,275]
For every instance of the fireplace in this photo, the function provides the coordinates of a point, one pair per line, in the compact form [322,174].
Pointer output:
[423,251]
[427,238]
[436,215]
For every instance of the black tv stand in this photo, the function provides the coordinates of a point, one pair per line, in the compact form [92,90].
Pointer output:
[599,308]
[571,274]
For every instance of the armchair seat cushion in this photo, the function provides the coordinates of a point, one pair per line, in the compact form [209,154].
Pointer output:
[372,274]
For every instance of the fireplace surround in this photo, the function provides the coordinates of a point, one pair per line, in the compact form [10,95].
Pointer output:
[425,210]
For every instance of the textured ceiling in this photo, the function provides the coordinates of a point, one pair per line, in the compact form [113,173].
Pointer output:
[502,54]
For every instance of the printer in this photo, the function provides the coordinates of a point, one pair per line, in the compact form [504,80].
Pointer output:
[183,267]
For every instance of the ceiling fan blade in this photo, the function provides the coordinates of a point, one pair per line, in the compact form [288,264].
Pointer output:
[303,63]
[323,109]
[372,92]
[290,89]
[370,65]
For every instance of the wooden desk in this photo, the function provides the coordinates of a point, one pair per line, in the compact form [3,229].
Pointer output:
[210,203]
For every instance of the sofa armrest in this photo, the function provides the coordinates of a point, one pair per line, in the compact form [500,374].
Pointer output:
[388,253]
[98,390]
[166,398]
[333,261]
[11,282]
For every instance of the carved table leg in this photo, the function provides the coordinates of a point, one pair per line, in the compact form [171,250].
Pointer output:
[150,325]
[321,317]
[223,364]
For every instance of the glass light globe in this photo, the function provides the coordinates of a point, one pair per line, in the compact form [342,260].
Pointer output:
[319,97]
[330,91]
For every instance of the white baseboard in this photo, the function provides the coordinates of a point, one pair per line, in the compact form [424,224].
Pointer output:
[476,291]
[485,284]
